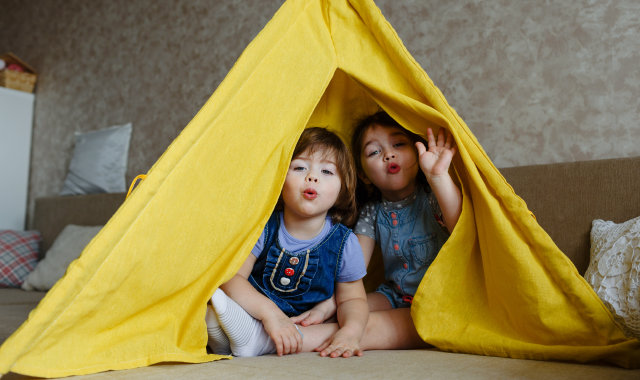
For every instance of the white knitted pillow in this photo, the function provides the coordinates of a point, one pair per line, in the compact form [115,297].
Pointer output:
[67,247]
[614,270]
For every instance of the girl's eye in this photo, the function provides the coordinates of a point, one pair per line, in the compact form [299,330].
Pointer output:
[299,168]
[327,172]
[373,153]
[399,144]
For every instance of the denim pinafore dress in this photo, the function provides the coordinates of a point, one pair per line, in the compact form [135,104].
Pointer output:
[297,281]
[410,238]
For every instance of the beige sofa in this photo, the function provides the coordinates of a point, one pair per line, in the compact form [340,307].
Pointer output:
[565,199]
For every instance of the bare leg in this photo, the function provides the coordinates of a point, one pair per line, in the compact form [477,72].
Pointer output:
[391,330]
[386,330]
[378,301]
[315,335]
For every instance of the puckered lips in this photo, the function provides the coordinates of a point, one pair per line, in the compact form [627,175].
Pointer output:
[310,193]
[393,168]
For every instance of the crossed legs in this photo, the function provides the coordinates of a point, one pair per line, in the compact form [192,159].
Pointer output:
[386,329]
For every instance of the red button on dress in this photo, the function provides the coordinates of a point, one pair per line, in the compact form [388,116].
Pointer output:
[393,215]
[395,222]
[406,266]
[396,247]
[289,272]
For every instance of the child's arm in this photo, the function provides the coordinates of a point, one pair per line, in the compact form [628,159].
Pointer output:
[276,323]
[318,314]
[325,309]
[435,165]
[367,244]
[353,314]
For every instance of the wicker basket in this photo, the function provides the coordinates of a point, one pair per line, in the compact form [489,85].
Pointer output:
[15,80]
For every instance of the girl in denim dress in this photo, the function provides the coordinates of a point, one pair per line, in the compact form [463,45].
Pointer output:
[304,255]
[408,205]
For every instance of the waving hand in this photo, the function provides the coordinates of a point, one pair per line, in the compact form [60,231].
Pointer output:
[435,161]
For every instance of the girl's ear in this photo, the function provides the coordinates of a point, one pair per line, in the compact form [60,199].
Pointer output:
[364,178]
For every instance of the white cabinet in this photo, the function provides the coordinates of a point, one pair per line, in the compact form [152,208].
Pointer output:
[16,121]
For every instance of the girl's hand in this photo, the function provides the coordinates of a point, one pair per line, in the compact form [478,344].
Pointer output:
[341,344]
[284,333]
[318,314]
[311,317]
[435,161]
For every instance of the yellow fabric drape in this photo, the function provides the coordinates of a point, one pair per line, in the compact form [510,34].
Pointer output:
[137,294]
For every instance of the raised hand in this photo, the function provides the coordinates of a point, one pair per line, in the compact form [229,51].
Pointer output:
[435,161]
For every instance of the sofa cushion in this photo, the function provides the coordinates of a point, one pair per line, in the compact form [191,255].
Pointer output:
[12,317]
[18,256]
[15,306]
[54,213]
[67,247]
[408,364]
[99,161]
[19,297]
[405,364]
[567,197]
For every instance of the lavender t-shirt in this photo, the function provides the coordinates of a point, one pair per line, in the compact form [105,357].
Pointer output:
[351,263]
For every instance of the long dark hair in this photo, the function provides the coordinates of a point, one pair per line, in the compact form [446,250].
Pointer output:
[368,193]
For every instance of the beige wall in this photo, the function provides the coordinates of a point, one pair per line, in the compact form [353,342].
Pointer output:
[537,82]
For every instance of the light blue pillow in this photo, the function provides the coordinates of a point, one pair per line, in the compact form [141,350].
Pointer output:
[99,162]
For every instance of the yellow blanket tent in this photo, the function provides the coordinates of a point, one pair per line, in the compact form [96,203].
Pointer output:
[137,294]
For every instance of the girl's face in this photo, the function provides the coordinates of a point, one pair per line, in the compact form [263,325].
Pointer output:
[390,161]
[312,185]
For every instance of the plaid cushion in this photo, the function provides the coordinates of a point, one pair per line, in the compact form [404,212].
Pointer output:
[18,256]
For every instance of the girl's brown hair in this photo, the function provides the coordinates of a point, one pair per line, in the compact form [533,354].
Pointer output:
[368,193]
[317,139]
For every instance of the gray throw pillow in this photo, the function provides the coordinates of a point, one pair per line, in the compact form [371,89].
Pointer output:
[99,162]
[67,247]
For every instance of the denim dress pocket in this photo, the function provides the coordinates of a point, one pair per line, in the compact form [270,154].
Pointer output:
[423,249]
[290,275]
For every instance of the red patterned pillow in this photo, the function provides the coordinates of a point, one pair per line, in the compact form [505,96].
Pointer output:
[18,256]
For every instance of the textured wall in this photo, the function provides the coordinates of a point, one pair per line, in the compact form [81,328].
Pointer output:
[105,62]
[537,82]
